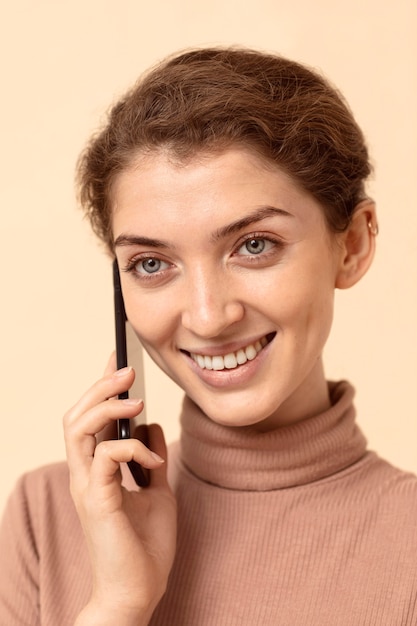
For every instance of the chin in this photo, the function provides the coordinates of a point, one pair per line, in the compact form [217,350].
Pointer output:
[240,416]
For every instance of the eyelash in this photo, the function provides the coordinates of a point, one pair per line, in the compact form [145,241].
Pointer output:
[276,245]
[131,265]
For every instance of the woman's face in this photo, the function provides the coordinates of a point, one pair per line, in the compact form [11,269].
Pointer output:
[228,272]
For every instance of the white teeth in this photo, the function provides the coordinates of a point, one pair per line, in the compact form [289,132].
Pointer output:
[241,357]
[232,360]
[218,362]
[251,352]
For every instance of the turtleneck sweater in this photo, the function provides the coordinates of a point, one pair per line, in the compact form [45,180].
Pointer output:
[246,459]
[299,526]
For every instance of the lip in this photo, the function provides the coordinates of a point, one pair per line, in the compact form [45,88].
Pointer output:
[230,377]
[226,348]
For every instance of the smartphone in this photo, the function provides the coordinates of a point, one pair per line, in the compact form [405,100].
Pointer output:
[129,352]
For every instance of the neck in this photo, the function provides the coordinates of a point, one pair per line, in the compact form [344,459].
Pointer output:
[307,400]
[295,454]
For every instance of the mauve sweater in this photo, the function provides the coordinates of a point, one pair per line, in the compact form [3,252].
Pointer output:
[296,527]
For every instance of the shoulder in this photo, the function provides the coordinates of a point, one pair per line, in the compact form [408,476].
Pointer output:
[54,474]
[41,497]
[391,479]
[48,481]
[392,490]
[43,548]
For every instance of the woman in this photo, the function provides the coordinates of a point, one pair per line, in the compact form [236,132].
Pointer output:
[230,187]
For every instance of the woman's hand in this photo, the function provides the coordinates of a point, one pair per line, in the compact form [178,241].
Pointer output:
[130,534]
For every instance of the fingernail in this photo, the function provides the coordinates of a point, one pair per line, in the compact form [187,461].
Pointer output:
[132,401]
[157,457]
[123,371]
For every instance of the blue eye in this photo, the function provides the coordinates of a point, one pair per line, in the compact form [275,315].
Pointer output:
[254,245]
[150,266]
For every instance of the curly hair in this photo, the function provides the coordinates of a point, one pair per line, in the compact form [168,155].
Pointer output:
[211,99]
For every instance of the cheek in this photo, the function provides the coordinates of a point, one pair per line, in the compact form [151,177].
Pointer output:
[152,317]
[316,322]
[299,302]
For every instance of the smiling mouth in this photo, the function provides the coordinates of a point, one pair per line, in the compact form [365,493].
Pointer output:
[233,359]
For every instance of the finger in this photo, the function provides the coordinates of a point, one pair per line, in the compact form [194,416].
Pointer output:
[95,419]
[158,476]
[109,432]
[105,388]
[80,434]
[109,455]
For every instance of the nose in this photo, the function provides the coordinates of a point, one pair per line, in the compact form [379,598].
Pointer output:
[210,305]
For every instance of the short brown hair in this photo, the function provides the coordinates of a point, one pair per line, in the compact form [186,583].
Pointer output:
[210,99]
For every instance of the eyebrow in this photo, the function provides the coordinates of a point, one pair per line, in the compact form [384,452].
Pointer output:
[258,215]
[134,240]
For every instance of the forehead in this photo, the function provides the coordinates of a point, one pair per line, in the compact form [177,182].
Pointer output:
[206,191]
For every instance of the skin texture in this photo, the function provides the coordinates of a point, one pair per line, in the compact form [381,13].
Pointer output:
[211,295]
[139,525]
[215,255]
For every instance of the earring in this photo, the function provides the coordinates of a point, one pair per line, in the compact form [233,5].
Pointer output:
[374,230]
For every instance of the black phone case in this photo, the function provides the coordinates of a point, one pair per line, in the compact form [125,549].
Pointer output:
[139,473]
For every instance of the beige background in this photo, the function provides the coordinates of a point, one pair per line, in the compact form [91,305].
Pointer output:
[61,65]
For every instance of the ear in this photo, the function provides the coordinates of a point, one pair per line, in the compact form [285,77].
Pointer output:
[357,245]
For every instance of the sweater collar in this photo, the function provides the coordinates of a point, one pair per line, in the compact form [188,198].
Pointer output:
[244,459]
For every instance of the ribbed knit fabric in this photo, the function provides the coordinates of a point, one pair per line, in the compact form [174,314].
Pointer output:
[244,459]
[296,527]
